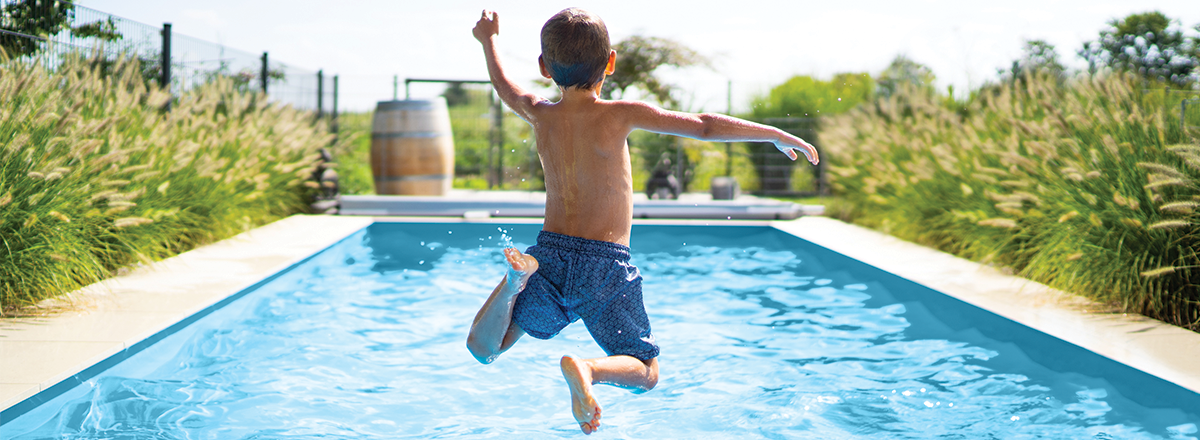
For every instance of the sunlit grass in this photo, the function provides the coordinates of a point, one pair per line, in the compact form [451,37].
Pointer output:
[95,175]
[1090,187]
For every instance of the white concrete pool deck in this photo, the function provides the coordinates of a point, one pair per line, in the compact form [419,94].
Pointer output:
[108,317]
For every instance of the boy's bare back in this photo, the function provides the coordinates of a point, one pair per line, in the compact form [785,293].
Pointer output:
[581,142]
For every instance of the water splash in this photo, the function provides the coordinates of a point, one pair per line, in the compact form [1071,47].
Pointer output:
[505,240]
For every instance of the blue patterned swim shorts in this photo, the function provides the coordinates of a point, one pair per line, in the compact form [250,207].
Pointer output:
[578,278]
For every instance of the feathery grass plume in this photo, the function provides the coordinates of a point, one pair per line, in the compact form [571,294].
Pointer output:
[1075,256]
[1167,270]
[1171,224]
[1168,182]
[998,223]
[1185,207]
[1132,222]
[126,222]
[1068,216]
[1162,169]
[6,198]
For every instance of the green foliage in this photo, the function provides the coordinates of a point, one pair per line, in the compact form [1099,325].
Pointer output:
[94,176]
[803,96]
[39,18]
[637,59]
[105,30]
[353,154]
[1146,44]
[1086,187]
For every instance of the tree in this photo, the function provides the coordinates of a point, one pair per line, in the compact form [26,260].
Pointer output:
[637,59]
[902,70]
[1037,57]
[38,18]
[1147,44]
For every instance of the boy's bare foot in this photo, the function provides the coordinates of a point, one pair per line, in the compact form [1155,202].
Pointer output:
[522,266]
[583,405]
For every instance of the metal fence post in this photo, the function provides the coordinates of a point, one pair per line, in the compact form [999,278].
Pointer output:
[165,62]
[499,144]
[333,125]
[264,73]
[320,91]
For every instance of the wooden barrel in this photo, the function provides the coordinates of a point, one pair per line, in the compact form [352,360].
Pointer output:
[412,150]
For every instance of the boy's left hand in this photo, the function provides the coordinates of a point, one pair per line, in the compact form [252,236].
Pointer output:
[487,26]
[789,148]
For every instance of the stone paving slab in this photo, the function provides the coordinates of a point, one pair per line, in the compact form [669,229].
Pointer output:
[107,317]
[1163,350]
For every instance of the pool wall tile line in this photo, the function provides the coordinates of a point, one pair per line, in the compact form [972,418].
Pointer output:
[1168,352]
[108,321]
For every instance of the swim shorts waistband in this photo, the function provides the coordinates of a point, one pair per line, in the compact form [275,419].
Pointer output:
[599,248]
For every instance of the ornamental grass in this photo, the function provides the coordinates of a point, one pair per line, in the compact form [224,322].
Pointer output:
[96,174]
[1089,185]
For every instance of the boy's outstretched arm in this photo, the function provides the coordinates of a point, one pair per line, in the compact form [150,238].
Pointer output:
[520,101]
[715,127]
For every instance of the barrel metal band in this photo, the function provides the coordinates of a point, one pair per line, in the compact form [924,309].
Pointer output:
[409,134]
[412,178]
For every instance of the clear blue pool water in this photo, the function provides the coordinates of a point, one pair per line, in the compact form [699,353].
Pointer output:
[763,335]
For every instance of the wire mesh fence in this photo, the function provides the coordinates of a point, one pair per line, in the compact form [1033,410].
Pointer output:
[50,31]
[494,149]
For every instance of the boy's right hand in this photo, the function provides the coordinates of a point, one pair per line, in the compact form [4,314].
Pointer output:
[487,27]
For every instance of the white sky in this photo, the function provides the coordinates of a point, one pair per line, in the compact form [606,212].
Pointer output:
[754,44]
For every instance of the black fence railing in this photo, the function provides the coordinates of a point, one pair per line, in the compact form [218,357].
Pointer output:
[49,31]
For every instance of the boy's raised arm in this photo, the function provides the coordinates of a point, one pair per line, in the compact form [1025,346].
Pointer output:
[716,127]
[520,101]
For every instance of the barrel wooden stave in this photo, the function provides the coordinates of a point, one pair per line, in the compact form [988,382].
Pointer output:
[412,148]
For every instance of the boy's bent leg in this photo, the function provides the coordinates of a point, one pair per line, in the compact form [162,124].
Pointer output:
[623,371]
[493,331]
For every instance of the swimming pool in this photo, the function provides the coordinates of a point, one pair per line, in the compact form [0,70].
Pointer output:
[763,335]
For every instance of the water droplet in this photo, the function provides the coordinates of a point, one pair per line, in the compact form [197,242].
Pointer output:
[421,262]
[1015,418]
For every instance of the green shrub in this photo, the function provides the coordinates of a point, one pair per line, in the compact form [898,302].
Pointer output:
[95,175]
[1088,186]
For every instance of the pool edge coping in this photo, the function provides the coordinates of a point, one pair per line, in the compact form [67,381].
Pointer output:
[1162,350]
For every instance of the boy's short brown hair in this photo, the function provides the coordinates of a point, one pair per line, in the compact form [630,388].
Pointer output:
[575,48]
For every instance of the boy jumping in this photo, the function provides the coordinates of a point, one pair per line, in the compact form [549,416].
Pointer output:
[579,267]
